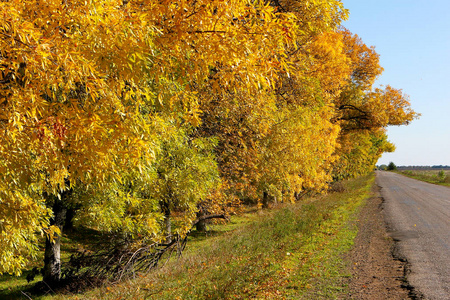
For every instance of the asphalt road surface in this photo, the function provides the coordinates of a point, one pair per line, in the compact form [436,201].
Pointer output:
[418,215]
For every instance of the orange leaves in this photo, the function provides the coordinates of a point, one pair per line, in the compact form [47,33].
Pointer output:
[88,88]
[363,112]
[210,34]
[390,107]
[364,61]
[316,16]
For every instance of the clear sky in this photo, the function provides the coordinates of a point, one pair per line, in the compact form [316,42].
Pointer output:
[413,40]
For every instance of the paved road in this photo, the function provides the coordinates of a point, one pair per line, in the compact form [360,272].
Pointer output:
[418,215]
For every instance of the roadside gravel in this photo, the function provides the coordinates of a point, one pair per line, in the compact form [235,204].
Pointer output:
[376,273]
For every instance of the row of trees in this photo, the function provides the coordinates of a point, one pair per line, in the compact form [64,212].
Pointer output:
[144,116]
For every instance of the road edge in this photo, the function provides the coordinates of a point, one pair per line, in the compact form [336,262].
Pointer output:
[396,252]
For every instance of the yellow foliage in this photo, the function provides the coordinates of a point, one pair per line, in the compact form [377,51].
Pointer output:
[94,94]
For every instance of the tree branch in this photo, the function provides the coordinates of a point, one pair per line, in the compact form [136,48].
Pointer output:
[349,107]
[215,216]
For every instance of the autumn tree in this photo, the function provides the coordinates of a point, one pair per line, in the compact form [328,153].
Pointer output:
[363,112]
[132,110]
[186,175]
[303,139]
[70,112]
[163,204]
[82,83]
[226,57]
[277,140]
[360,105]
[359,152]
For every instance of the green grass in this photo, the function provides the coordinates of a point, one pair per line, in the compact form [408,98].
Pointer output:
[11,287]
[293,252]
[440,177]
[15,287]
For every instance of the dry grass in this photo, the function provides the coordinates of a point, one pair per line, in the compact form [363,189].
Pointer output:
[441,177]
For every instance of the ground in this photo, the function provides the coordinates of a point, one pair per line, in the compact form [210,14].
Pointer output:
[376,272]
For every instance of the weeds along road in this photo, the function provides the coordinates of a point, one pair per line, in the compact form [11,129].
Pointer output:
[418,216]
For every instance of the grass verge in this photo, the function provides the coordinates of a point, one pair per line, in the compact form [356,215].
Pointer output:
[292,252]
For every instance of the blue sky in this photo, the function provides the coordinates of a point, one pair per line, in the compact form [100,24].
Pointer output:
[413,40]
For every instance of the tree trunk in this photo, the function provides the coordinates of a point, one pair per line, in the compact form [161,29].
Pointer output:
[200,226]
[165,208]
[168,226]
[52,255]
[265,200]
[70,215]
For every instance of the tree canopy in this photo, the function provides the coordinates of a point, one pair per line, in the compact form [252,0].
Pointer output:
[144,113]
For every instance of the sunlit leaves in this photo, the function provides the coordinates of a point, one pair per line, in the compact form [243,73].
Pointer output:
[70,105]
[364,112]
[359,151]
[21,217]
[131,104]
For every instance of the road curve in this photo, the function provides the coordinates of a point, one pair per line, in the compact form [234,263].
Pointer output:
[418,215]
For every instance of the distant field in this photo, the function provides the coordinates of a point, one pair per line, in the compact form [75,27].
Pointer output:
[430,175]
[423,168]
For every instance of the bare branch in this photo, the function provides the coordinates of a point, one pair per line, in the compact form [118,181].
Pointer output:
[203,218]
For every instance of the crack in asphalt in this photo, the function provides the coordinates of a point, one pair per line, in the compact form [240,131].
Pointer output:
[418,218]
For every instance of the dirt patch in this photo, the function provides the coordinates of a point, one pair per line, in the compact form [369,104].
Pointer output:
[376,273]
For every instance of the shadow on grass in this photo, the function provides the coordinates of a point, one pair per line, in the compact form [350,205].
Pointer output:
[18,287]
[23,290]
[81,237]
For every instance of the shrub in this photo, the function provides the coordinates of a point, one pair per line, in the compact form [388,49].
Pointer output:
[441,176]
[391,167]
